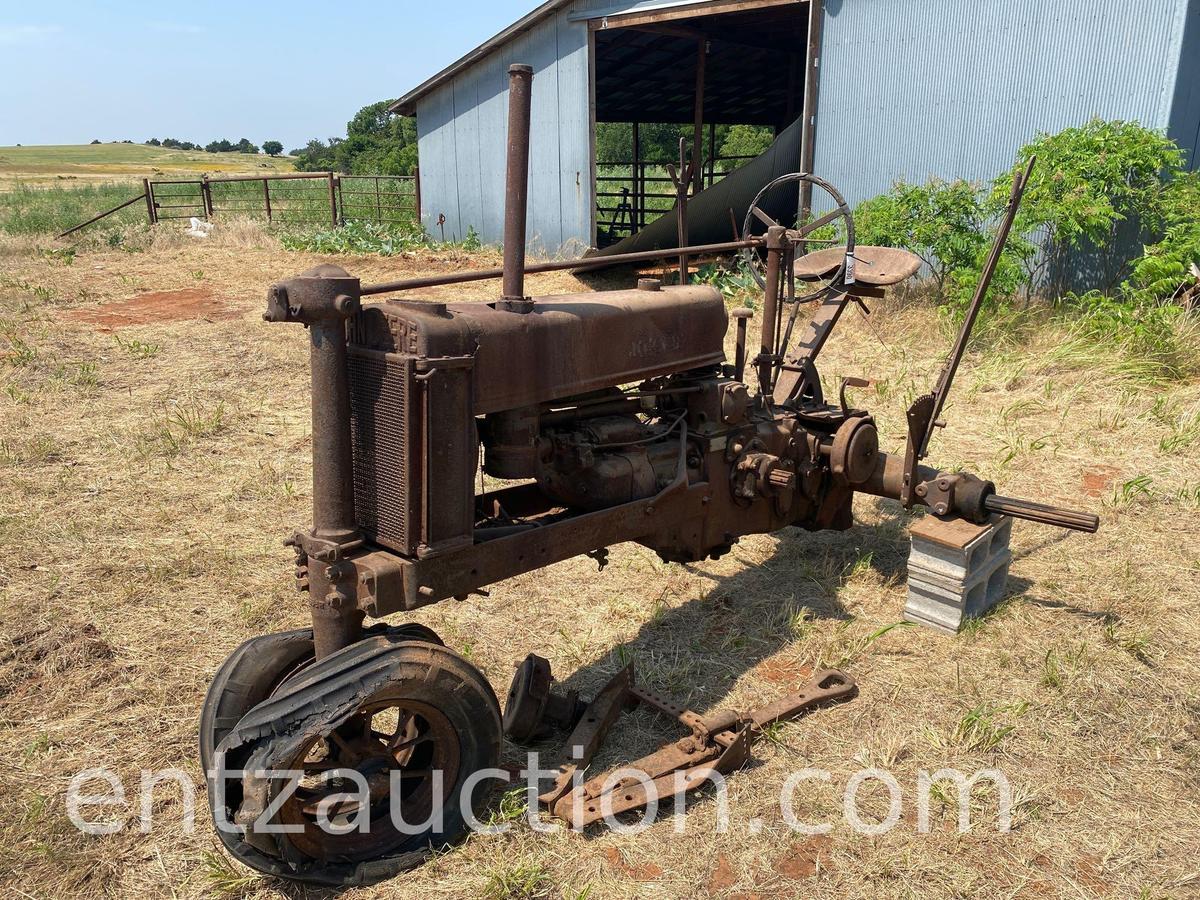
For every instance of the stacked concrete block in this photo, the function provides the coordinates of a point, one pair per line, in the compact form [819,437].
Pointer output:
[956,570]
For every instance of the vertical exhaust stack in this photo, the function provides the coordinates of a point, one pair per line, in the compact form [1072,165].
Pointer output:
[516,193]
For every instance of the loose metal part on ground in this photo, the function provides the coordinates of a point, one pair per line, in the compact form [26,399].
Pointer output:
[719,743]
[608,417]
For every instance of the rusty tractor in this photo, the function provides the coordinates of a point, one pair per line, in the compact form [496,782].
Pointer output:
[610,417]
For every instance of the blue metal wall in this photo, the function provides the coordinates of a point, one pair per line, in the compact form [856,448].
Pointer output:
[953,89]
[462,128]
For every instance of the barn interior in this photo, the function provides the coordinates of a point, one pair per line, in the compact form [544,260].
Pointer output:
[745,66]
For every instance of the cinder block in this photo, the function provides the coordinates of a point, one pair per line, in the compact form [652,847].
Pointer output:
[955,547]
[956,570]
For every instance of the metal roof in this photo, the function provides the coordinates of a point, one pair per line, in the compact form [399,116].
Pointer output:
[405,105]
[589,9]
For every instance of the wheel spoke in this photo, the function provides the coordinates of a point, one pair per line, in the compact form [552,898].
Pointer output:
[764,218]
[341,743]
[411,742]
[403,720]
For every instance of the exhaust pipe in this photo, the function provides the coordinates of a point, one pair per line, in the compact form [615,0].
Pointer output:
[516,193]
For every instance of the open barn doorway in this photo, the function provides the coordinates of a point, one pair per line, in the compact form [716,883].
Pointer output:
[727,77]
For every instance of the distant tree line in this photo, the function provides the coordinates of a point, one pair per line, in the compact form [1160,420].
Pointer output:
[376,143]
[271,148]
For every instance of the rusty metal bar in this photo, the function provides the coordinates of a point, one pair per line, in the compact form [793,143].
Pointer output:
[981,289]
[812,84]
[108,212]
[585,264]
[516,193]
[333,200]
[282,176]
[267,197]
[766,350]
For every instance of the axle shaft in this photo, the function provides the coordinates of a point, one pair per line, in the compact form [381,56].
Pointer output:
[1038,512]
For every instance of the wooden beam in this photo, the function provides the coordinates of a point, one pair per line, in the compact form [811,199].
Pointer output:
[679,31]
[698,124]
[684,31]
[715,8]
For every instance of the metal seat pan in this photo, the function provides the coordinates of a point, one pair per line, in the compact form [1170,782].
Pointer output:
[880,266]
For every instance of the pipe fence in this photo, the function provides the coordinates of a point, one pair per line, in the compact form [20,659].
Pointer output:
[293,198]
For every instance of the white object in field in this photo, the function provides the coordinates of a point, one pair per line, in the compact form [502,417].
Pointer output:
[199,228]
[956,570]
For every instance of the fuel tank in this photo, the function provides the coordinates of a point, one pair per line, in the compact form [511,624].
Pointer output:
[565,345]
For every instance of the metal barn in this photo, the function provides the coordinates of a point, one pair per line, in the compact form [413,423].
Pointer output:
[886,89]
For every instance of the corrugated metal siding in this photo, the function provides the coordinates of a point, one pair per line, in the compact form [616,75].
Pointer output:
[953,89]
[462,129]
[1185,109]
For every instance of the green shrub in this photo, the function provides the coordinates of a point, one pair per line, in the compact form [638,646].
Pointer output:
[1166,265]
[1087,184]
[385,239]
[940,221]
[357,237]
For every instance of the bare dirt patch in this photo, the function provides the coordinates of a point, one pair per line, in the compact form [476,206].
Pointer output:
[643,871]
[1098,481]
[805,858]
[723,877]
[156,306]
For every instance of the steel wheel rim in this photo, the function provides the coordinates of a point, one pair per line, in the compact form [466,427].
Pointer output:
[421,741]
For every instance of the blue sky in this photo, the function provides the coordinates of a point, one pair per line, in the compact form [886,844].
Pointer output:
[261,69]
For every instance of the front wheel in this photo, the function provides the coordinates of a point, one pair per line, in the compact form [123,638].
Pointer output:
[380,741]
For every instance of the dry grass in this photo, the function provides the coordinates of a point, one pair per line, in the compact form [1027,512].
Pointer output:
[149,475]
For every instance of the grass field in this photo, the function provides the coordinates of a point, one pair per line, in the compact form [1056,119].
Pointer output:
[107,162]
[151,467]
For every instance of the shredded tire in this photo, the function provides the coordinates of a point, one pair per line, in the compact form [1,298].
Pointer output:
[315,701]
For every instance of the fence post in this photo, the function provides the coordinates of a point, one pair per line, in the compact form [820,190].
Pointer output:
[378,205]
[267,198]
[149,201]
[206,197]
[333,216]
[417,191]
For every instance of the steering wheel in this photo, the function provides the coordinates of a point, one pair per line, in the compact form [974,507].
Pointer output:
[845,272]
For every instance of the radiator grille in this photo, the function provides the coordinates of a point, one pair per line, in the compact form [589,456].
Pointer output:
[381,420]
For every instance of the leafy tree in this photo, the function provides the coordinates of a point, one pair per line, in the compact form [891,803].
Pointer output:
[940,221]
[747,140]
[376,143]
[221,146]
[244,146]
[96,141]
[154,142]
[272,148]
[1089,183]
